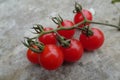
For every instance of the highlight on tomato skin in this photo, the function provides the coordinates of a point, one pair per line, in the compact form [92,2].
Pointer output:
[49,38]
[92,42]
[78,17]
[67,33]
[51,58]
[74,52]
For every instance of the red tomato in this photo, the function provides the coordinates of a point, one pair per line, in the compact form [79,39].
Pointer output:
[79,17]
[51,58]
[48,38]
[32,56]
[73,52]
[92,42]
[67,33]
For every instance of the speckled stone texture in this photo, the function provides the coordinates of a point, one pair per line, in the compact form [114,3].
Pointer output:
[18,16]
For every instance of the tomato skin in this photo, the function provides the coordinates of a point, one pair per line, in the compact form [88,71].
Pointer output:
[74,52]
[32,56]
[51,58]
[79,18]
[67,33]
[92,42]
[48,38]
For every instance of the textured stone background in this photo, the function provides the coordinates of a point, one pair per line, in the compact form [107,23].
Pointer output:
[18,16]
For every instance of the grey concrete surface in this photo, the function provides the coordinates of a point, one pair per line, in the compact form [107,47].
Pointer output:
[18,16]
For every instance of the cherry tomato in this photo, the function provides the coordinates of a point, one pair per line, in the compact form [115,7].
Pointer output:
[48,38]
[67,33]
[32,56]
[51,58]
[74,52]
[79,17]
[92,42]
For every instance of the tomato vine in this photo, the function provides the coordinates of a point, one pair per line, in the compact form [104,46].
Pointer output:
[46,39]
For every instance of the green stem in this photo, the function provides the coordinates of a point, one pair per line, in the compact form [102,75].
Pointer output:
[60,28]
[75,27]
[115,1]
[92,22]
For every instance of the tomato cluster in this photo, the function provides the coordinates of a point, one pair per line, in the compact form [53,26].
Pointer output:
[60,46]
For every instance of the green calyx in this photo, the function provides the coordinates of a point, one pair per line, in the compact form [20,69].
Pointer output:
[57,20]
[33,45]
[87,31]
[78,8]
[63,41]
[38,28]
